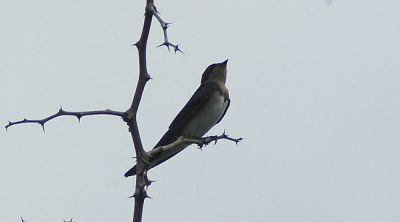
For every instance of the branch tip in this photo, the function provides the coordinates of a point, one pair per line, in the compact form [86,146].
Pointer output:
[62,112]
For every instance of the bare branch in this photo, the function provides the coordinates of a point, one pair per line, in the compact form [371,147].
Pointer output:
[130,117]
[206,140]
[62,112]
[158,151]
[164,26]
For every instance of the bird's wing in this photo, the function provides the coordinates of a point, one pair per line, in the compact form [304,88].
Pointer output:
[198,99]
[226,109]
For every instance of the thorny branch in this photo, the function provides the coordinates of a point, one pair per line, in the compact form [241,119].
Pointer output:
[201,142]
[206,140]
[129,116]
[165,26]
[62,112]
[141,178]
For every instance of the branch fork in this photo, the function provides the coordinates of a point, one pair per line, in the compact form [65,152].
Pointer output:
[165,25]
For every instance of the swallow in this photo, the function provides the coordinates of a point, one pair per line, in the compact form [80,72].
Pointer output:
[206,108]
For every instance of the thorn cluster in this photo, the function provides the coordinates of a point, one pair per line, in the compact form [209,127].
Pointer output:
[207,140]
[165,25]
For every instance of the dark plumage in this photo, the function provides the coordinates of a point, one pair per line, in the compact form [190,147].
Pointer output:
[206,107]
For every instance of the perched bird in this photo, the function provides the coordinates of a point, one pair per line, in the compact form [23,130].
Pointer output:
[206,107]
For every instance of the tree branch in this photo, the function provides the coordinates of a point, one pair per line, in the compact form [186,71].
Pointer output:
[130,116]
[62,112]
[165,26]
[141,178]
[142,157]
[201,142]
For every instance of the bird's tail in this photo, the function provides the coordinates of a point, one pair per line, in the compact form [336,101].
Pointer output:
[168,138]
[131,172]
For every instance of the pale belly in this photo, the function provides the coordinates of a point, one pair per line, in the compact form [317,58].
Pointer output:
[197,127]
[207,117]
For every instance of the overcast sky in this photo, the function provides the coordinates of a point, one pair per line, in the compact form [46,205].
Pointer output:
[315,92]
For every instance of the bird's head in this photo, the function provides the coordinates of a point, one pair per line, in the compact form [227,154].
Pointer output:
[215,72]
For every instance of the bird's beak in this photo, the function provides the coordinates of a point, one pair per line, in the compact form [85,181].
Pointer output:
[224,63]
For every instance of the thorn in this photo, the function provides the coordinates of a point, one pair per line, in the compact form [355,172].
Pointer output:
[178,49]
[147,77]
[151,181]
[148,183]
[24,120]
[79,116]
[145,195]
[42,124]
[8,125]
[167,44]
[202,145]
[69,220]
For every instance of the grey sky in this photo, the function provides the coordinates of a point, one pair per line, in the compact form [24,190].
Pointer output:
[314,89]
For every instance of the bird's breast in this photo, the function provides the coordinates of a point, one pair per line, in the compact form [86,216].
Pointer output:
[207,116]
